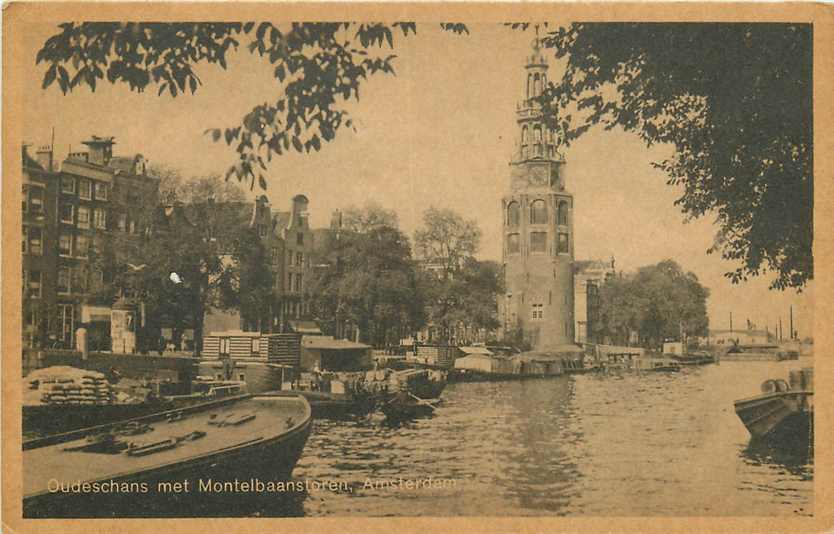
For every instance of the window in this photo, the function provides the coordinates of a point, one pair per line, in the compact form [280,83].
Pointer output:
[66,316]
[82,245]
[513,244]
[299,238]
[67,213]
[524,135]
[538,212]
[34,284]
[100,219]
[68,184]
[132,227]
[121,222]
[275,255]
[83,217]
[289,284]
[65,245]
[79,280]
[563,245]
[85,189]
[35,241]
[562,217]
[538,242]
[256,345]
[299,259]
[25,197]
[64,277]
[538,312]
[36,199]
[513,214]
[298,282]
[101,191]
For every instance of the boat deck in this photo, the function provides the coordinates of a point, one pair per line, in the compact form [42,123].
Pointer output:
[273,416]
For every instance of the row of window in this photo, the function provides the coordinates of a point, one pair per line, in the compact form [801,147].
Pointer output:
[87,217]
[538,212]
[86,188]
[538,243]
[68,280]
[68,245]
[537,137]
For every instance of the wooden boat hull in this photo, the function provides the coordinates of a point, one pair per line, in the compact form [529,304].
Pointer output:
[782,418]
[45,419]
[271,458]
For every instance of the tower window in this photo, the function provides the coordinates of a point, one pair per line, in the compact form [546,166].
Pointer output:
[538,212]
[513,244]
[538,311]
[563,213]
[513,214]
[563,244]
[538,242]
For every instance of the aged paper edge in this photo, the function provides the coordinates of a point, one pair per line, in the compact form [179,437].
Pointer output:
[18,14]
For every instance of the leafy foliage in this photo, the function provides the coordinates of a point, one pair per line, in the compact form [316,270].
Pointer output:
[174,187]
[368,279]
[658,302]
[734,100]
[317,66]
[369,216]
[460,292]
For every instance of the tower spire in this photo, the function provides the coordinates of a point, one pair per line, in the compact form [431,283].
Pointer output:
[536,140]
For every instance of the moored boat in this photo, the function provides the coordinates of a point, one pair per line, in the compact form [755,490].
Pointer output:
[404,405]
[129,468]
[783,414]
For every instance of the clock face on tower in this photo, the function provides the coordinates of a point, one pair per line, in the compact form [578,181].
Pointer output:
[538,176]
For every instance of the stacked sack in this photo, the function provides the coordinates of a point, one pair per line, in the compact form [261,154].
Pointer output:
[67,385]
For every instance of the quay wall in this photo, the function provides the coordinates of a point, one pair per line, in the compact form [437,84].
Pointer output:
[179,369]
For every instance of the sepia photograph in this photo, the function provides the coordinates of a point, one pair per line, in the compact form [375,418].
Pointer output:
[300,268]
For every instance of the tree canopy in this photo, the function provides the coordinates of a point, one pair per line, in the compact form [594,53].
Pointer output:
[658,302]
[734,100]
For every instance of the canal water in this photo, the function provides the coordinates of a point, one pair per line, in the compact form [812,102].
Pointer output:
[592,445]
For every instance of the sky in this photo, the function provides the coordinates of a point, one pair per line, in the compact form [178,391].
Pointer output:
[438,133]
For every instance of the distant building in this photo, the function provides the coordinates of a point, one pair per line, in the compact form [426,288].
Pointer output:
[588,278]
[537,227]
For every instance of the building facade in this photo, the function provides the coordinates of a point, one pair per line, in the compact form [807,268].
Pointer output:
[65,212]
[537,227]
[588,278]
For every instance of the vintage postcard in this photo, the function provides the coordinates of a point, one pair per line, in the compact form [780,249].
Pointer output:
[349,267]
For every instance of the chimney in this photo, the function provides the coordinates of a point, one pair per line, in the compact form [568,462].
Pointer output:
[101,150]
[44,157]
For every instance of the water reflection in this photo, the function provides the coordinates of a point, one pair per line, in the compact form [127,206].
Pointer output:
[653,444]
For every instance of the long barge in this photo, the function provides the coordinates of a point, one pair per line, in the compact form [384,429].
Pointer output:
[238,438]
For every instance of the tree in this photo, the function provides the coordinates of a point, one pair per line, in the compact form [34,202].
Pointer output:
[447,240]
[317,66]
[460,292]
[369,216]
[174,187]
[734,100]
[368,279]
[250,281]
[659,302]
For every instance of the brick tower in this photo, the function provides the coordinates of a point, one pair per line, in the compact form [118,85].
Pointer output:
[537,226]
